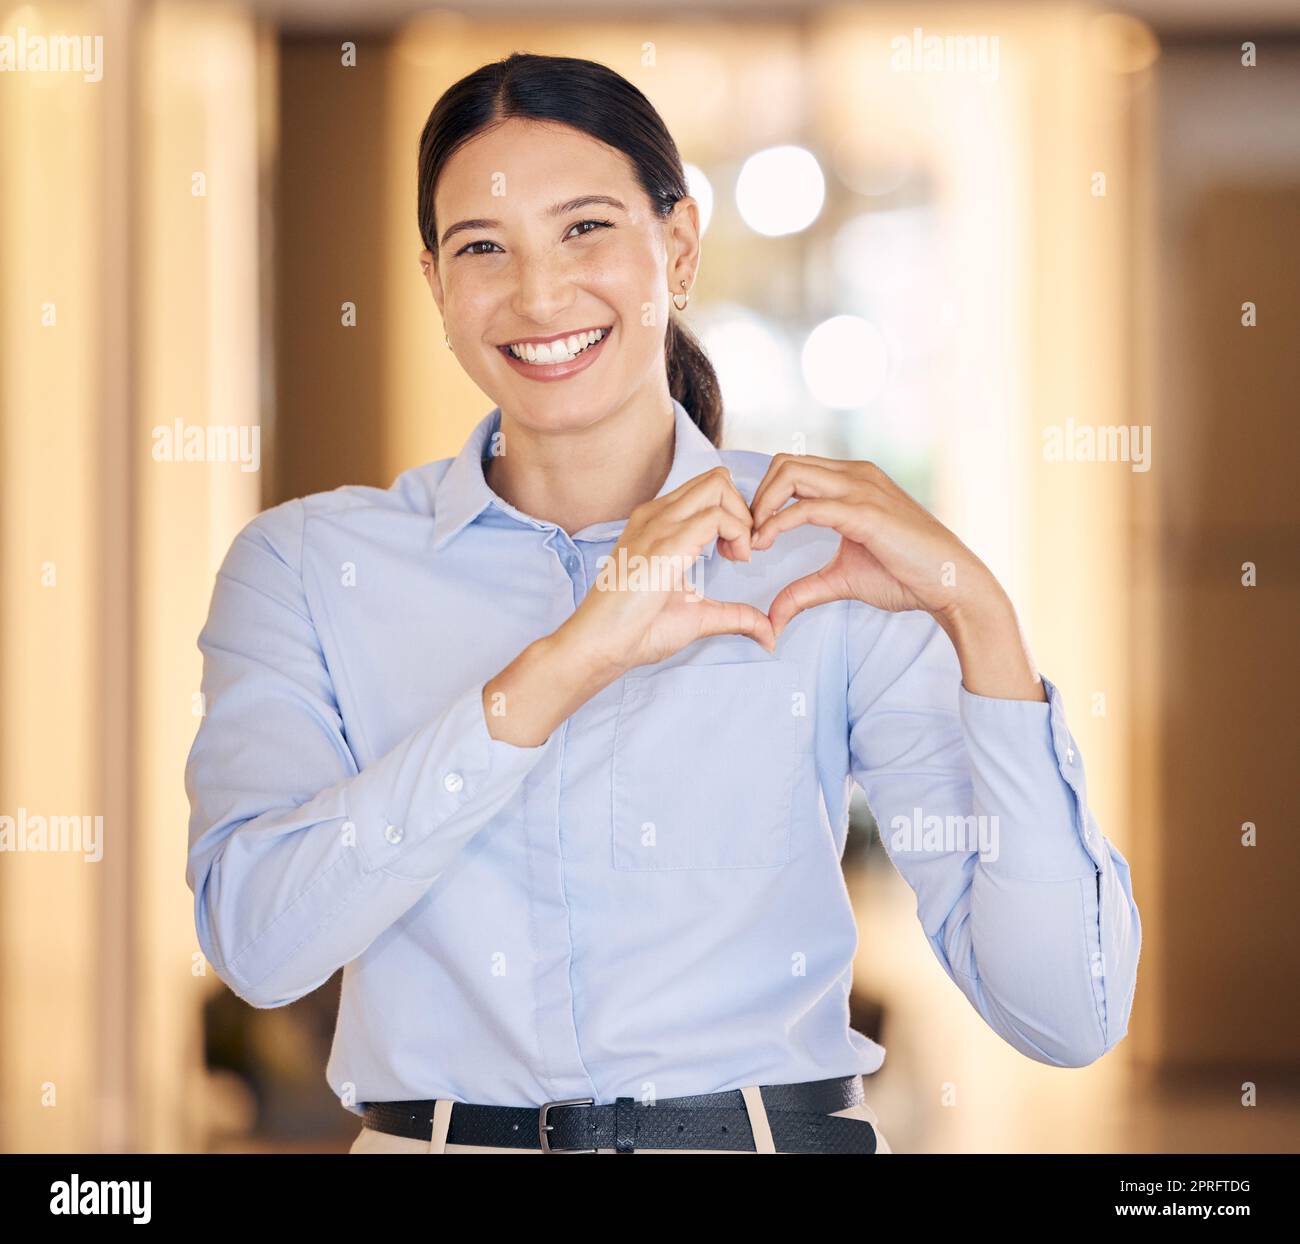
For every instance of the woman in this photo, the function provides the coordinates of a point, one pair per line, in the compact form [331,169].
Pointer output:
[550,745]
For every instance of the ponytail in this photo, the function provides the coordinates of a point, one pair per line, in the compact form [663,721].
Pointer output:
[692,380]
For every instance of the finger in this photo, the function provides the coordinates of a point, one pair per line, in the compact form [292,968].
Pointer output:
[702,480]
[729,550]
[714,487]
[701,527]
[733,617]
[780,460]
[795,478]
[818,511]
[806,593]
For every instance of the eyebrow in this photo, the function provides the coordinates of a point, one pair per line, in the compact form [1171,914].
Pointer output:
[557,209]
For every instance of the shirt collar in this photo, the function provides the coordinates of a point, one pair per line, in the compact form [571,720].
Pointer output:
[463,493]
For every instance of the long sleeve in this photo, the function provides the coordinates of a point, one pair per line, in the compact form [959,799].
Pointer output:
[982,807]
[298,858]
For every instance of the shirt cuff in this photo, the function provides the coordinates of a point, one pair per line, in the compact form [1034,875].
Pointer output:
[1028,772]
[448,767]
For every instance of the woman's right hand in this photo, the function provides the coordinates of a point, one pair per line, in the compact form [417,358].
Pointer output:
[642,607]
[640,610]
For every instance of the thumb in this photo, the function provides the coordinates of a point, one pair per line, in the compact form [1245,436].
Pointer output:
[806,593]
[733,617]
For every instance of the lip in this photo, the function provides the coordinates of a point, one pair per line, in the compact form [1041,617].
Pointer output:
[573,332]
[558,371]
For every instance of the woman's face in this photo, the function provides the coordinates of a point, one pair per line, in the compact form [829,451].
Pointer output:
[512,268]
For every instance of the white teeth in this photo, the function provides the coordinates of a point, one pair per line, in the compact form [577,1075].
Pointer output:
[559,351]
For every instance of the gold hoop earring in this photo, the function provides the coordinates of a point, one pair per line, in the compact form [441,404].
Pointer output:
[685,298]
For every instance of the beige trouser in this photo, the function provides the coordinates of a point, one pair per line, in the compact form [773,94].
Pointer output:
[370,1141]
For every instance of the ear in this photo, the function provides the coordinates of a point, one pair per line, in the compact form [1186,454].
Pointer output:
[683,244]
[430,270]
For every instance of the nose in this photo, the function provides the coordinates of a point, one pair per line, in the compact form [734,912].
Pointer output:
[542,288]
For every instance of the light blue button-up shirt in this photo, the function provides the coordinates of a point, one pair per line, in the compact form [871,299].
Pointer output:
[651,902]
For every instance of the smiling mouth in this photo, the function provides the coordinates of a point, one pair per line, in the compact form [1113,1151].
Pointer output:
[559,350]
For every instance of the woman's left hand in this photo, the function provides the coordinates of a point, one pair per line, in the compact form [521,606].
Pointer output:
[895,555]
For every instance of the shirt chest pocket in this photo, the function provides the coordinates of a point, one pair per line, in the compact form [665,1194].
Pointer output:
[704,765]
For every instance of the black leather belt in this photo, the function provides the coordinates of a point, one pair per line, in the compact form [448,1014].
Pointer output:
[799,1115]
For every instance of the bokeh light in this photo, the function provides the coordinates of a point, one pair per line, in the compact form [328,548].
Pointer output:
[845,362]
[780,190]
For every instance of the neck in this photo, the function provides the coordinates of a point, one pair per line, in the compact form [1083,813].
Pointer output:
[580,476]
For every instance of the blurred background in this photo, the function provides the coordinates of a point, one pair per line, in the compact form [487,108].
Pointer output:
[966,241]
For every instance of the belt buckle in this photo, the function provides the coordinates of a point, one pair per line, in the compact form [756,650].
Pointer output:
[543,1126]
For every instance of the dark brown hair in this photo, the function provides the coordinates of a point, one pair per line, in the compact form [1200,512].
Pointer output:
[593,98]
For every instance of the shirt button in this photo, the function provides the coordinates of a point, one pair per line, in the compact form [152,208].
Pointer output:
[393,833]
[453,782]
[1069,754]
[570,564]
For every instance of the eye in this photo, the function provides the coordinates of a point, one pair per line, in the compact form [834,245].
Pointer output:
[469,248]
[599,224]
[596,224]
